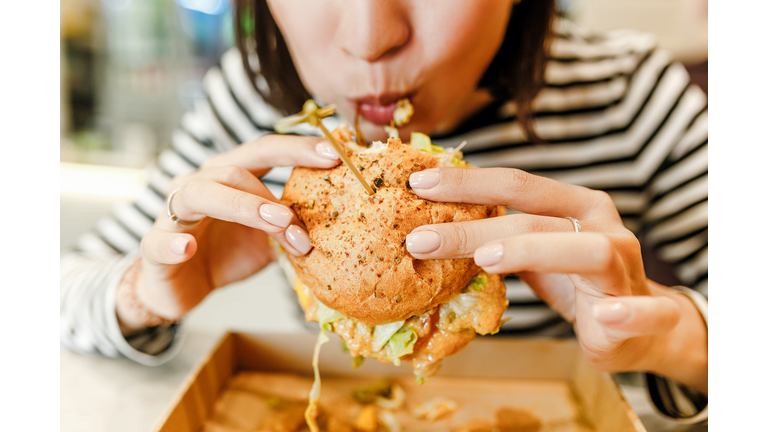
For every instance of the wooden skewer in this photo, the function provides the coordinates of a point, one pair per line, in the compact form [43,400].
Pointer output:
[312,114]
[358,133]
[346,159]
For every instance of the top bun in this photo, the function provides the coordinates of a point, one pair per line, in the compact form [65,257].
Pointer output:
[359,265]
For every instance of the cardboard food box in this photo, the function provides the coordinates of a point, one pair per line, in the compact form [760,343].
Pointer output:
[528,384]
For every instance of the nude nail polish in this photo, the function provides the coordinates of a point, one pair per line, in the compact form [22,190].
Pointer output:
[423,242]
[326,150]
[489,254]
[611,312]
[179,245]
[276,214]
[298,238]
[425,179]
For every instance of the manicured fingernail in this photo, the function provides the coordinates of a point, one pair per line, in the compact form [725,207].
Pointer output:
[326,150]
[612,312]
[276,214]
[422,242]
[298,238]
[489,254]
[179,245]
[425,179]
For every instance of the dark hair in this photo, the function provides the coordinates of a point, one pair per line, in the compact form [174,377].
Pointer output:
[516,72]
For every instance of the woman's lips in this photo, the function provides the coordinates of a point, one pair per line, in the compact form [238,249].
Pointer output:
[379,109]
[377,114]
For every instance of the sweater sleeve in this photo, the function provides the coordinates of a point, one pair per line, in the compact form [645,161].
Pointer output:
[88,321]
[92,270]
[675,224]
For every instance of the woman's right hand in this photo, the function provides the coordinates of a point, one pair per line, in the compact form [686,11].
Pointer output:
[179,265]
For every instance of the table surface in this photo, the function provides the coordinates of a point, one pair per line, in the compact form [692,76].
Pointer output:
[99,393]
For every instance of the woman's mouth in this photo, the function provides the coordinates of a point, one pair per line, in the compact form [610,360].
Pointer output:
[378,109]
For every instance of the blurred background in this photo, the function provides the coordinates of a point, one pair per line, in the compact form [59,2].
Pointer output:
[130,68]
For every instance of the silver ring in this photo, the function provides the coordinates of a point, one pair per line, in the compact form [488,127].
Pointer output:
[175,219]
[576,224]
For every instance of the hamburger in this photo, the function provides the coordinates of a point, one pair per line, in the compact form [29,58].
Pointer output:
[360,282]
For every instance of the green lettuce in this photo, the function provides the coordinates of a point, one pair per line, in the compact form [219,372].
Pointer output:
[501,323]
[461,304]
[477,283]
[400,344]
[424,143]
[326,315]
[382,333]
[358,361]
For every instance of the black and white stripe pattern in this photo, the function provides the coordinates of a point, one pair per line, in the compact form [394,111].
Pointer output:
[616,114]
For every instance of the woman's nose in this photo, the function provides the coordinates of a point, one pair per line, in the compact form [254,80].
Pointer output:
[372,29]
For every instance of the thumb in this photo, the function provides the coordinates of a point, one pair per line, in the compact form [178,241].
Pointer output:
[160,247]
[626,317]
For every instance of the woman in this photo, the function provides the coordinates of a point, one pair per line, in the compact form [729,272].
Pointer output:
[607,138]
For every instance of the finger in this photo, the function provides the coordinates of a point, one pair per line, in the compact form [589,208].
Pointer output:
[276,151]
[294,240]
[461,239]
[241,179]
[235,177]
[511,187]
[199,198]
[238,178]
[161,247]
[587,255]
[555,289]
[627,317]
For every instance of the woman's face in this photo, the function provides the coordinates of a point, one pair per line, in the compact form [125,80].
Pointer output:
[369,53]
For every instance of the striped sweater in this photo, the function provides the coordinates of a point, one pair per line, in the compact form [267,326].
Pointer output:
[616,114]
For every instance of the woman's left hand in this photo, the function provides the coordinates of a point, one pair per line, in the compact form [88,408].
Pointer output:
[593,278]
